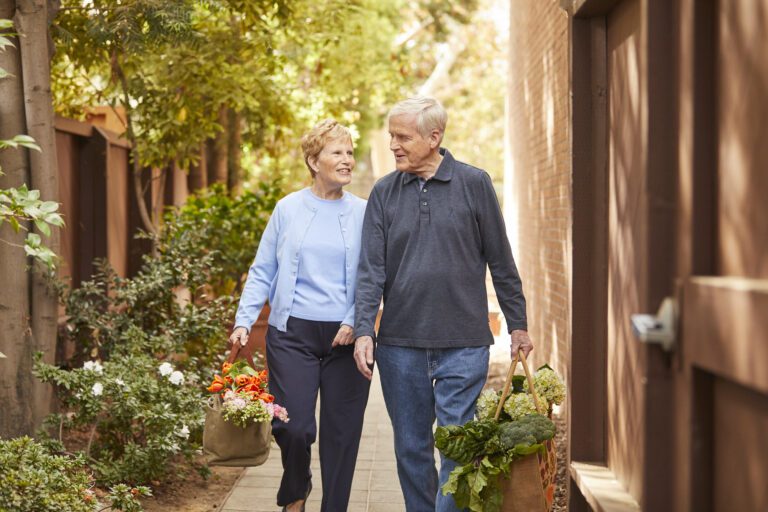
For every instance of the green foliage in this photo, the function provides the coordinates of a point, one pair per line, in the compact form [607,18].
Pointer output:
[122,497]
[20,140]
[19,206]
[174,65]
[141,414]
[141,353]
[222,229]
[34,480]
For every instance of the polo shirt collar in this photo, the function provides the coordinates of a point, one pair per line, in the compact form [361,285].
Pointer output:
[444,170]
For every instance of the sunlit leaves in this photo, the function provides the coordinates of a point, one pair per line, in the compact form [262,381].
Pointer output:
[19,206]
[19,141]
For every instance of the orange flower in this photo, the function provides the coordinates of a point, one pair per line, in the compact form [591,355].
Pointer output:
[251,388]
[226,367]
[263,375]
[242,380]
[217,385]
[228,379]
[266,397]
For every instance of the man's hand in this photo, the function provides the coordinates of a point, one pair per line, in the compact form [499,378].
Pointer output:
[239,335]
[521,341]
[364,356]
[345,336]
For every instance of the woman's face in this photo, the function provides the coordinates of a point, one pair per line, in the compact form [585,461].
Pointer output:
[334,164]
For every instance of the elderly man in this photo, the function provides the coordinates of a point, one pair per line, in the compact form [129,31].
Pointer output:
[430,229]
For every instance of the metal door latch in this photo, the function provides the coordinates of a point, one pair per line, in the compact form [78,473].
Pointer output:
[661,328]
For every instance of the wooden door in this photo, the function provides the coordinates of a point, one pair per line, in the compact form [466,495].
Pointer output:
[724,345]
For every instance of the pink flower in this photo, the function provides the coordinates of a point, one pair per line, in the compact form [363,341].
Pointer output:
[281,413]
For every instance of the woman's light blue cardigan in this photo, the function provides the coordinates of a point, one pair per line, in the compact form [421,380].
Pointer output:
[273,273]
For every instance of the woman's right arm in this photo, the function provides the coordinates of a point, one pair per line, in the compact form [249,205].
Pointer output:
[260,277]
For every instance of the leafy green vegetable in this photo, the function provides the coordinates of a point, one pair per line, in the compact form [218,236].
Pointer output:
[465,443]
[485,450]
[477,486]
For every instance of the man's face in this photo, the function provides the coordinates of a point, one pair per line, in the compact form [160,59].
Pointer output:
[412,151]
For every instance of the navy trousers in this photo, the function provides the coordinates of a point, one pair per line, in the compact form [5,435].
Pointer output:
[301,363]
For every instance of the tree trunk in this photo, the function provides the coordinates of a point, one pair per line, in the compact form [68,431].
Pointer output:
[234,153]
[32,22]
[198,174]
[217,165]
[15,375]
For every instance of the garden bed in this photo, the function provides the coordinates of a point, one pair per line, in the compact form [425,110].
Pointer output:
[192,493]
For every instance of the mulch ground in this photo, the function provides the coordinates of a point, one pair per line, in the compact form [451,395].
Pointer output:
[189,492]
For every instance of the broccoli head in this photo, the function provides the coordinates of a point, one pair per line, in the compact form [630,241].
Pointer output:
[526,431]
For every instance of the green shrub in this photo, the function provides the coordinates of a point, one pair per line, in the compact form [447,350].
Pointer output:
[32,479]
[224,229]
[140,413]
[127,331]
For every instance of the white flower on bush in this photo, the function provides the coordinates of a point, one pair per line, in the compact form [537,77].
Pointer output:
[93,366]
[97,389]
[165,369]
[120,382]
[184,432]
[176,378]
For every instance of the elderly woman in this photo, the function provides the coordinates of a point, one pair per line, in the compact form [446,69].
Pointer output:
[306,266]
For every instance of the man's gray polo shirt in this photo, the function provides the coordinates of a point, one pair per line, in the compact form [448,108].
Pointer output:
[425,250]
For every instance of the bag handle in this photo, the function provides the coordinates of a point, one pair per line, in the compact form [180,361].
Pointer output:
[520,356]
[246,354]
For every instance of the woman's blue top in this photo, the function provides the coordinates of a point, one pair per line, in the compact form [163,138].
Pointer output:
[275,272]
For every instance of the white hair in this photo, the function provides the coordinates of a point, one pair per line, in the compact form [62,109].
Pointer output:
[430,114]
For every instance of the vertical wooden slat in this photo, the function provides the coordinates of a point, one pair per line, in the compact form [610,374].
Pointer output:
[93,204]
[587,399]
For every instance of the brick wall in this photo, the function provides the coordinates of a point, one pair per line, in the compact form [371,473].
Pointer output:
[538,172]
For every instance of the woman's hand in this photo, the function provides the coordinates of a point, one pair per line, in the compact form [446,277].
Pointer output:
[239,335]
[345,336]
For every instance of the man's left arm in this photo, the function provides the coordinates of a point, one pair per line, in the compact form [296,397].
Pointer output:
[498,254]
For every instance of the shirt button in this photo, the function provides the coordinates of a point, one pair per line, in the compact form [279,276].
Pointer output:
[424,203]
[424,190]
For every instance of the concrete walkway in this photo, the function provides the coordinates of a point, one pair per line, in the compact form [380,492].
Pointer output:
[375,487]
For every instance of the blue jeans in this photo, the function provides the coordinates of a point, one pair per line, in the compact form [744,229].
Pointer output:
[419,386]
